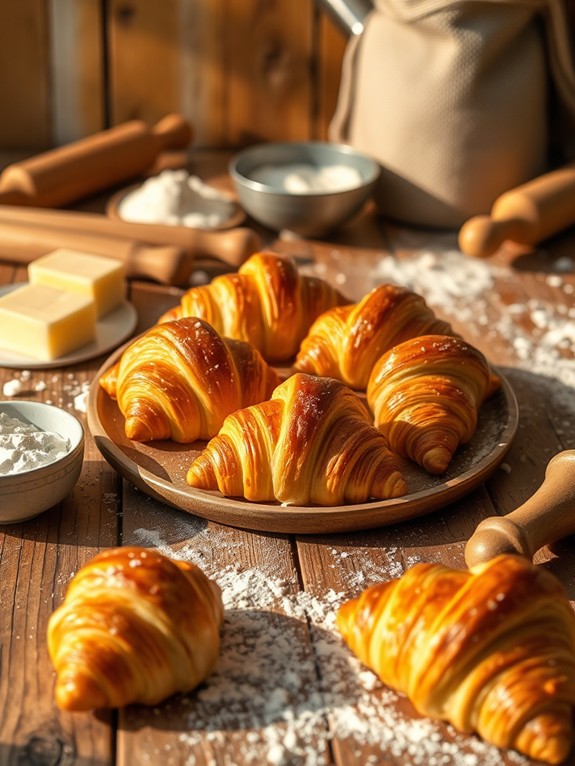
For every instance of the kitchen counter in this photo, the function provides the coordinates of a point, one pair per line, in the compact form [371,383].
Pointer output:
[286,690]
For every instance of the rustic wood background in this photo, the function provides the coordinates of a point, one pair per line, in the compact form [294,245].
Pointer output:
[239,70]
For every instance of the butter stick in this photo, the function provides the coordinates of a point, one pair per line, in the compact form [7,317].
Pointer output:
[46,323]
[95,276]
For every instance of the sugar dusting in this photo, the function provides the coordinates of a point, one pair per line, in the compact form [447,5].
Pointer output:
[265,699]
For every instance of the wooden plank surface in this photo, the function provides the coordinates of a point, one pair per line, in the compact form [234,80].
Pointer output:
[77,69]
[269,71]
[70,68]
[286,691]
[24,75]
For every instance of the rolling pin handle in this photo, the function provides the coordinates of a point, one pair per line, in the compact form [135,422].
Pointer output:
[547,516]
[493,537]
[233,246]
[173,132]
[483,235]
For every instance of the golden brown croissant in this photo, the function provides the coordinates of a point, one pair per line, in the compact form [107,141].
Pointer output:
[491,650]
[134,627]
[425,395]
[267,303]
[179,380]
[345,342]
[311,443]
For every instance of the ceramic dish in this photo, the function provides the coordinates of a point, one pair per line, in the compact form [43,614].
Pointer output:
[159,469]
[111,330]
[28,493]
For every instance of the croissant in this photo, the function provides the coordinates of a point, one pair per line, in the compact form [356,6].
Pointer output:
[267,303]
[425,395]
[491,650]
[345,342]
[311,443]
[180,379]
[134,627]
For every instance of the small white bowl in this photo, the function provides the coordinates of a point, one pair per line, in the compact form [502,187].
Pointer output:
[26,494]
[309,213]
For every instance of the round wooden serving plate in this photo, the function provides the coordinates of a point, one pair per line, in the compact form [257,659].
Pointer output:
[159,469]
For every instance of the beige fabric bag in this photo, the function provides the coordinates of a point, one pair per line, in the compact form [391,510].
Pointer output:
[453,100]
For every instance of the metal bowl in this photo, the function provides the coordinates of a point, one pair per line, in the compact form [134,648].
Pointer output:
[25,494]
[260,174]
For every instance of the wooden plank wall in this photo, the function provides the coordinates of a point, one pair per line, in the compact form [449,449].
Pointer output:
[240,70]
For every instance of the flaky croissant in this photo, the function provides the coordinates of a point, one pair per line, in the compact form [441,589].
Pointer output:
[425,395]
[134,627]
[180,379]
[267,303]
[345,342]
[491,650]
[312,443]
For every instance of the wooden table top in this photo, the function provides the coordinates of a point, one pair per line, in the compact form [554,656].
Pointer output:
[286,690]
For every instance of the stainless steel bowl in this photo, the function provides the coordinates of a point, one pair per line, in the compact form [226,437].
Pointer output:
[309,213]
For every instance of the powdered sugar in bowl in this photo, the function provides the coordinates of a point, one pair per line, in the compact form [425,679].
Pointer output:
[41,455]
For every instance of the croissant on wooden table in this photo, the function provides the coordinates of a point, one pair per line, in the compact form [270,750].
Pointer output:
[425,394]
[345,342]
[180,379]
[491,650]
[312,443]
[267,303]
[134,627]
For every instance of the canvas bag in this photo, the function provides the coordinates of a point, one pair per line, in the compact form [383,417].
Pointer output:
[453,98]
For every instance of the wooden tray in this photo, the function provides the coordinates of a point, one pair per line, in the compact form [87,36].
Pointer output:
[159,469]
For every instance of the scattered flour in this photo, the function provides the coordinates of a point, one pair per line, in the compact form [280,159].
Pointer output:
[23,446]
[265,699]
[74,393]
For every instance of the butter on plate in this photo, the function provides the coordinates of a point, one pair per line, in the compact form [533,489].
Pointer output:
[44,322]
[95,276]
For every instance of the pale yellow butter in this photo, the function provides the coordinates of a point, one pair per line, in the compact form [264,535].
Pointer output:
[46,323]
[95,276]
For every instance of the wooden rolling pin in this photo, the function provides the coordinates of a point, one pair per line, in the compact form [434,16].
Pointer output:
[526,215]
[232,246]
[548,516]
[68,173]
[169,264]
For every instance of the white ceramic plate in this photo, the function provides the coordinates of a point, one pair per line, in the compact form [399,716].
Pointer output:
[111,330]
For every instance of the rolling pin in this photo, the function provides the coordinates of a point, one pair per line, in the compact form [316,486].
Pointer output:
[526,215]
[168,264]
[548,516]
[67,173]
[232,246]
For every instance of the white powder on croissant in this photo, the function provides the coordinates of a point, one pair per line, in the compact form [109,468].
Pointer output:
[265,699]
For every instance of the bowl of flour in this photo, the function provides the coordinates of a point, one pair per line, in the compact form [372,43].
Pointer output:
[309,188]
[41,455]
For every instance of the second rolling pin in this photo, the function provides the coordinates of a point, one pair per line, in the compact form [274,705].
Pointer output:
[165,264]
[231,246]
[548,516]
[526,215]
[68,173]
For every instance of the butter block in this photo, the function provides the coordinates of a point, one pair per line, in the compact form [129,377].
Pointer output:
[95,276]
[44,322]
